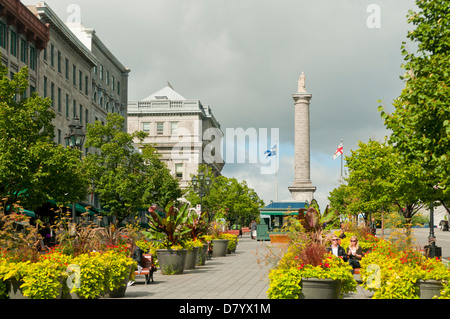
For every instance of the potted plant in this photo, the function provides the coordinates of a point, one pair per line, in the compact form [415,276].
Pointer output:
[312,273]
[403,273]
[169,228]
[219,244]
[119,267]
[198,227]
[192,246]
[232,241]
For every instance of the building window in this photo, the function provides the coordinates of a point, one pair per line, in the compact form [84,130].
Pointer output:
[179,170]
[59,100]
[52,55]
[23,50]
[59,61]
[3,35]
[86,83]
[173,128]
[67,105]
[146,127]
[80,80]
[118,88]
[13,43]
[107,77]
[67,69]
[81,113]
[32,58]
[86,116]
[45,86]
[74,75]
[101,72]
[74,108]
[59,136]
[52,93]
[159,128]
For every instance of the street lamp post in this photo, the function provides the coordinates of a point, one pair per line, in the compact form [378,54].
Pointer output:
[201,185]
[75,139]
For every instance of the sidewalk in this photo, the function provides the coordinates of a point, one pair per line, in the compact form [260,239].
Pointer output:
[240,275]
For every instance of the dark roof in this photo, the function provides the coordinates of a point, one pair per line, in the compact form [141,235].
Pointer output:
[286,205]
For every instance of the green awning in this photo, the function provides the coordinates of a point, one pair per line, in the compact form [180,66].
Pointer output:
[27,212]
[80,208]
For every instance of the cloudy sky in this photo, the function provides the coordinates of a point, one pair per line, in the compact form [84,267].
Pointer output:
[244,57]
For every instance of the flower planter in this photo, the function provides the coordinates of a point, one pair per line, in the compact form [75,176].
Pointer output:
[201,256]
[171,262]
[191,258]
[279,239]
[315,288]
[220,247]
[119,292]
[429,288]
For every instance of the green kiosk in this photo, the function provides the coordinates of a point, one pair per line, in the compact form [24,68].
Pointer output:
[271,218]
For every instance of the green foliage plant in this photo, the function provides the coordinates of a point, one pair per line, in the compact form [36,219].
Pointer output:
[93,272]
[397,269]
[118,268]
[233,240]
[169,228]
[308,260]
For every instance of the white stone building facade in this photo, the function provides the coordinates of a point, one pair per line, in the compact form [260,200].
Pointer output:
[184,132]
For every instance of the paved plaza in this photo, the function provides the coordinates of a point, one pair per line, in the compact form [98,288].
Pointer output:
[241,275]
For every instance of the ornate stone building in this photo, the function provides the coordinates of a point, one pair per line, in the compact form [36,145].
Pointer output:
[184,131]
[67,63]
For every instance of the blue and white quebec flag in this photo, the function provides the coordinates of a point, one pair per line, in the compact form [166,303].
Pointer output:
[271,152]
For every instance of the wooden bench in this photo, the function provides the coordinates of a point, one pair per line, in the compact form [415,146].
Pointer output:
[245,229]
[233,232]
[148,268]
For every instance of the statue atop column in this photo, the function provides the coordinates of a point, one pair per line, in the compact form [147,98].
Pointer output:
[301,83]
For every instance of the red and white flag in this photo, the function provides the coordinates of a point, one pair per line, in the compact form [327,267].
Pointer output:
[339,151]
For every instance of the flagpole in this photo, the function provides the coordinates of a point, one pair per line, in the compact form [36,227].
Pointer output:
[342,162]
[276,173]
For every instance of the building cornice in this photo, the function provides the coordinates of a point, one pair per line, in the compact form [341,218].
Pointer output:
[26,22]
[47,15]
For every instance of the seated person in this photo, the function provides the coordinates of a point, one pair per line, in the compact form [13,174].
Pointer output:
[136,254]
[336,249]
[354,252]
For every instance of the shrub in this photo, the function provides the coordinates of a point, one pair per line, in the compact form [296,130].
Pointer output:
[284,283]
[397,270]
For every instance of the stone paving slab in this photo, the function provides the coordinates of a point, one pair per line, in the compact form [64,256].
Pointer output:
[239,275]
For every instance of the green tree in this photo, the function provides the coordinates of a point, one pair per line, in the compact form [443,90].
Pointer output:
[378,177]
[32,168]
[420,123]
[229,198]
[126,178]
[338,198]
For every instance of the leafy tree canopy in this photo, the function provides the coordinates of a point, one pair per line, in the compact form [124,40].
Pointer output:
[32,168]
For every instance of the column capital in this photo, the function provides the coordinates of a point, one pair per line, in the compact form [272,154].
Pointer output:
[303,97]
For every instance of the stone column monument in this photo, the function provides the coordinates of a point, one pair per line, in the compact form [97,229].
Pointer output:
[302,189]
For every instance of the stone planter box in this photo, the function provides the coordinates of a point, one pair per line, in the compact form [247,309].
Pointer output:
[315,288]
[429,288]
[220,247]
[201,256]
[171,262]
[191,258]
